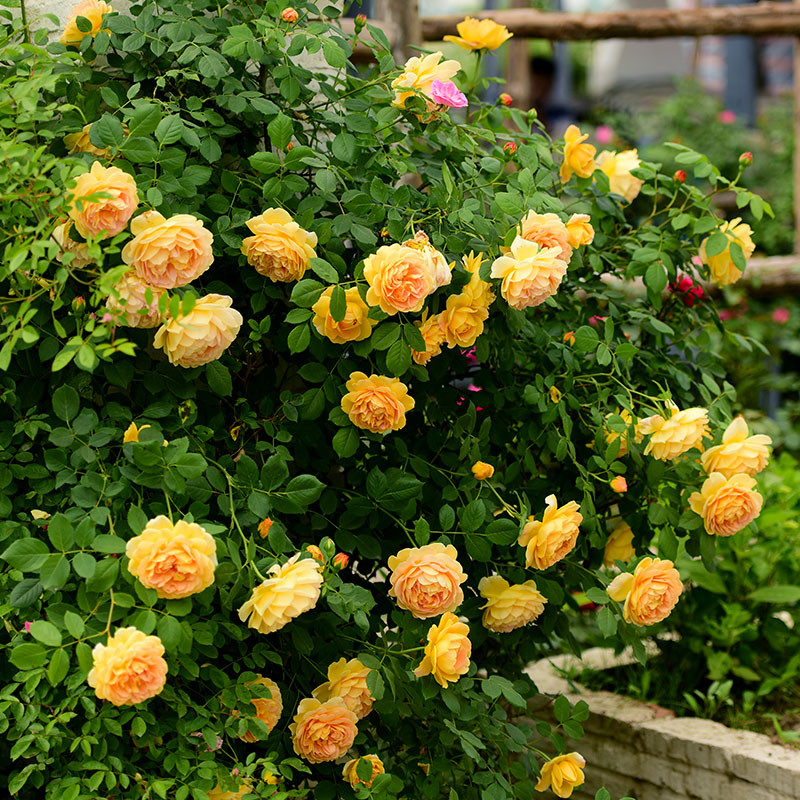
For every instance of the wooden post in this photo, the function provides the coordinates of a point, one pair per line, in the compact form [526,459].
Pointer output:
[518,69]
[403,17]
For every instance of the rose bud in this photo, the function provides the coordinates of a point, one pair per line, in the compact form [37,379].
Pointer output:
[289,15]
[679,176]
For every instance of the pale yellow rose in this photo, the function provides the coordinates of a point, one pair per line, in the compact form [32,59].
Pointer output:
[399,278]
[129,668]
[547,230]
[580,230]
[132,433]
[348,680]
[176,560]
[292,589]
[350,773]
[168,253]
[562,775]
[548,541]
[202,335]
[674,435]
[650,593]
[356,325]
[129,301]
[478,290]
[92,10]
[80,250]
[376,403]
[481,470]
[723,271]
[578,155]
[509,607]
[108,215]
[419,74]
[479,34]
[463,320]
[727,504]
[618,167]
[268,709]
[530,274]
[612,436]
[447,652]
[441,271]
[427,580]
[739,453]
[432,330]
[279,248]
[619,546]
[323,731]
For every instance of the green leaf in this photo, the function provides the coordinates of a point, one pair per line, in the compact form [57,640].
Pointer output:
[304,489]
[334,54]
[385,335]
[137,519]
[46,633]
[25,593]
[106,132]
[280,131]
[338,306]
[606,622]
[346,441]
[59,667]
[776,594]
[169,631]
[655,278]
[66,402]
[586,339]
[59,531]
[307,292]
[716,243]
[412,335]
[324,270]
[140,149]
[27,555]
[299,338]
[55,571]
[144,120]
[74,624]
[106,543]
[169,130]
[398,358]
[219,379]
[28,656]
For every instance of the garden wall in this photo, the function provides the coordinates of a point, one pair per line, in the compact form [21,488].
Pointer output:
[646,752]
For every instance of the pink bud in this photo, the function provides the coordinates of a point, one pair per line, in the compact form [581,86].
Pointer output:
[506,99]
[596,321]
[746,159]
[27,627]
[604,134]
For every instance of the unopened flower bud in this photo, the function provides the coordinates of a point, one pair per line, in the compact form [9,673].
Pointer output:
[316,553]
[289,147]
[78,305]
[569,338]
[340,561]
[510,148]
[506,99]
[679,176]
[328,546]
[746,159]
[619,484]
[264,526]
[360,22]
[289,15]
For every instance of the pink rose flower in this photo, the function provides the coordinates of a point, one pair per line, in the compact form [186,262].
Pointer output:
[780,315]
[446,93]
[726,116]
[690,292]
[604,134]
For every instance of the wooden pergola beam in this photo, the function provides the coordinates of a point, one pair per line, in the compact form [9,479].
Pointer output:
[768,18]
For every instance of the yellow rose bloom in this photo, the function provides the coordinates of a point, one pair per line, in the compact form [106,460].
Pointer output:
[279,248]
[548,541]
[176,560]
[129,668]
[509,607]
[739,453]
[478,290]
[618,167]
[447,652]
[723,271]
[529,273]
[323,731]
[356,325]
[217,793]
[268,709]
[727,504]
[108,215]
[130,305]
[462,320]
[440,270]
[81,143]
[376,403]
[612,436]
[578,155]
[202,335]
[650,593]
[348,680]
[619,546]
[481,470]
[562,775]
[399,278]
[132,433]
[418,74]
[292,589]
[674,435]
[580,230]
[350,772]
[80,250]
[479,34]
[432,330]
[92,10]
[547,230]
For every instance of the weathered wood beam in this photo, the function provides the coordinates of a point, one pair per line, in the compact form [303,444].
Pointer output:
[768,18]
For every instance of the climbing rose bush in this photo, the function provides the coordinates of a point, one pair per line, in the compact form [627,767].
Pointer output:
[328,392]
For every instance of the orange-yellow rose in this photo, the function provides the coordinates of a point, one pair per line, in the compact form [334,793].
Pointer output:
[580,230]
[132,433]
[722,267]
[92,10]
[650,593]
[108,215]
[739,453]
[348,680]
[619,484]
[292,589]
[376,403]
[323,731]
[619,546]
[530,274]
[463,320]
[168,253]
[479,34]
[578,154]
[399,278]
[612,436]
[356,325]
[547,230]
[129,668]
[618,167]
[217,793]
[509,607]
[441,271]
[81,143]
[268,709]
[727,504]
[135,302]
[432,330]
[447,652]
[673,435]
[478,290]
[548,541]
[562,775]
[350,770]
[202,335]
[481,470]
[279,248]
[264,526]
[419,74]
[79,250]
[427,580]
